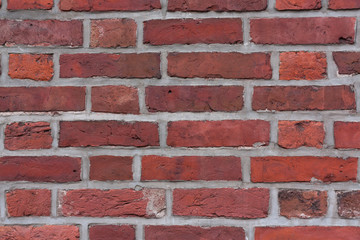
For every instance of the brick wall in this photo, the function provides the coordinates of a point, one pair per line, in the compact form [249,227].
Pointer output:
[179,119]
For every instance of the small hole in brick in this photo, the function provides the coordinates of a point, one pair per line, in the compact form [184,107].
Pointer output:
[169,91]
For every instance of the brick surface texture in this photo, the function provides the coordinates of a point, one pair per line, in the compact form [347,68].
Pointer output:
[179,119]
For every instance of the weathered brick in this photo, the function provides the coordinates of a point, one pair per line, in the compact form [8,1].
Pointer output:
[220,65]
[45,232]
[110,33]
[28,135]
[190,168]
[298,4]
[304,98]
[40,169]
[217,5]
[109,168]
[348,204]
[296,203]
[347,62]
[227,133]
[295,134]
[347,134]
[221,202]
[41,33]
[309,233]
[115,99]
[191,31]
[303,30]
[303,169]
[344,4]
[109,5]
[302,66]
[132,65]
[29,4]
[193,233]
[108,133]
[42,99]
[194,98]
[148,203]
[113,232]
[21,202]
[38,67]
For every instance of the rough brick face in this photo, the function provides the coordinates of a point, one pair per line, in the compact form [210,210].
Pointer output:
[41,33]
[295,134]
[28,135]
[298,4]
[115,99]
[195,233]
[304,98]
[190,168]
[311,233]
[228,133]
[22,203]
[113,232]
[220,65]
[302,203]
[194,99]
[302,66]
[303,169]
[110,33]
[235,203]
[185,31]
[347,134]
[29,4]
[110,168]
[31,66]
[109,5]
[216,5]
[40,169]
[347,62]
[348,204]
[303,31]
[108,133]
[344,4]
[148,203]
[145,65]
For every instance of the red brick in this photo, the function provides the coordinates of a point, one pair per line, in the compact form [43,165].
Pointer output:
[304,98]
[38,67]
[190,168]
[108,133]
[298,4]
[41,33]
[85,65]
[108,168]
[227,133]
[217,5]
[223,202]
[344,4]
[303,169]
[113,232]
[347,134]
[45,232]
[191,31]
[21,202]
[115,99]
[348,204]
[194,98]
[295,134]
[110,33]
[28,135]
[29,4]
[42,99]
[109,5]
[193,233]
[308,233]
[296,203]
[148,203]
[302,66]
[347,62]
[40,169]
[303,30]
[220,65]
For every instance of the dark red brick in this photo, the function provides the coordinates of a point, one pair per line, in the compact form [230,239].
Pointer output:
[45,232]
[109,168]
[347,62]
[113,232]
[348,204]
[298,4]
[344,4]
[109,5]
[347,134]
